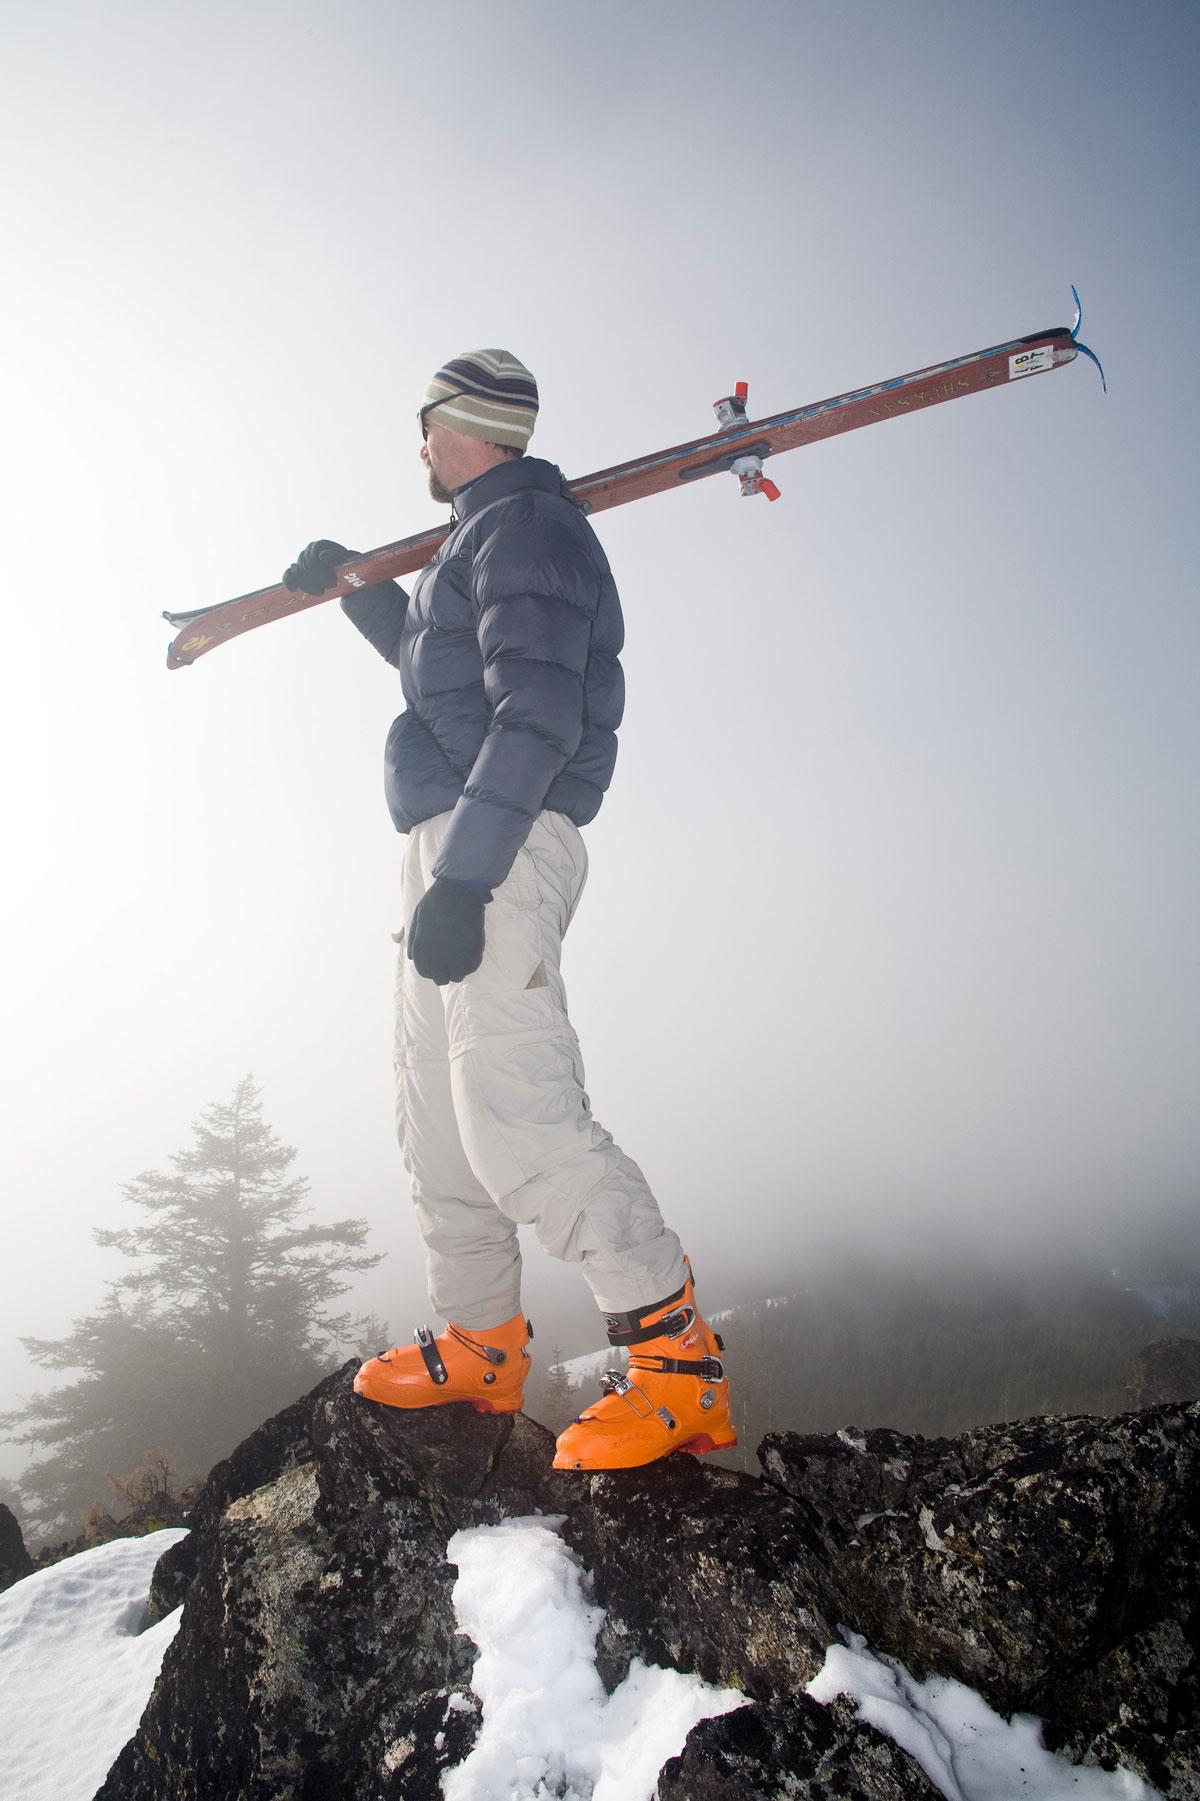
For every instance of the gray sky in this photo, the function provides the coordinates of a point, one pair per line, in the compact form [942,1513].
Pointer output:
[891,921]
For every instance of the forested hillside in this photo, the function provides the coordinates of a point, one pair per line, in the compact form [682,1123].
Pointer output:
[933,1350]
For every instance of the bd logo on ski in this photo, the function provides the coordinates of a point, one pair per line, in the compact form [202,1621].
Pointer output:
[1030,362]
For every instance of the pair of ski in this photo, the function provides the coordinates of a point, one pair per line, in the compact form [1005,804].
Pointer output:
[740,446]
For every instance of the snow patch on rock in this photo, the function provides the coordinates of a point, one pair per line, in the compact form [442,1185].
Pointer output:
[548,1726]
[968,1752]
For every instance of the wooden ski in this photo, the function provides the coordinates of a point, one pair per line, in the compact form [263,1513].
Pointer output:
[740,446]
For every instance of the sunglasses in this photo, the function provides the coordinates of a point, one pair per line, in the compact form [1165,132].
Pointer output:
[428,409]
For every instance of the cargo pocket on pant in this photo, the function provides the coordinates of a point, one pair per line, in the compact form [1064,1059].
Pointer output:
[520,888]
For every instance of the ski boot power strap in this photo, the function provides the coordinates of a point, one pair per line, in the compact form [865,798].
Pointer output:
[709,1369]
[631,1329]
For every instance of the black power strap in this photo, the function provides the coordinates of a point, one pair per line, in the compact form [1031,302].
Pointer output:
[427,1345]
[632,1322]
[709,1369]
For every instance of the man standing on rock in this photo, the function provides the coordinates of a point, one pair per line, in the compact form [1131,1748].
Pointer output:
[508,656]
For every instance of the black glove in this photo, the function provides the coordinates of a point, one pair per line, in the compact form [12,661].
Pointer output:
[445,938]
[313,569]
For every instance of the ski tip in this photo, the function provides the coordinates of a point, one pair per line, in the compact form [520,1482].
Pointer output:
[1081,346]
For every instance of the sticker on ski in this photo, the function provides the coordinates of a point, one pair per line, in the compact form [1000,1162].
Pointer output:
[1031,362]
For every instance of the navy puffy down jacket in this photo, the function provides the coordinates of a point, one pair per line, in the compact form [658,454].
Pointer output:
[508,656]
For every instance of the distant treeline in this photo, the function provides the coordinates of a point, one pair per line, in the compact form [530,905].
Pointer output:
[812,1374]
[928,1355]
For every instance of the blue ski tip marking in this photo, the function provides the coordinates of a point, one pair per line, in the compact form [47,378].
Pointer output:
[1083,347]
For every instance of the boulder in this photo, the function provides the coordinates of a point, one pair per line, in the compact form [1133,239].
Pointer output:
[1051,1564]
[790,1749]
[703,1569]
[319,1653]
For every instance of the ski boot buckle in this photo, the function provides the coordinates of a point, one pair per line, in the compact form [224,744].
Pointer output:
[427,1346]
[614,1383]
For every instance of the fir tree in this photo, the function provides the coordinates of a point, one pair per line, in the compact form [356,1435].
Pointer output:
[549,1397]
[225,1319]
[371,1336]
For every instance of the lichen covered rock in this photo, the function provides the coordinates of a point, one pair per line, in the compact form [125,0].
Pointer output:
[1051,1564]
[319,1651]
[703,1569]
[788,1750]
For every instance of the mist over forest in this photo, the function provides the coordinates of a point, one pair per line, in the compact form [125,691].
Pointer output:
[233,1301]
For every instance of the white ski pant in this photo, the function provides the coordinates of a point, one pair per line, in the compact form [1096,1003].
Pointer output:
[494,1125]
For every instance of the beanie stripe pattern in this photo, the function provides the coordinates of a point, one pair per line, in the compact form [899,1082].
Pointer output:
[484,394]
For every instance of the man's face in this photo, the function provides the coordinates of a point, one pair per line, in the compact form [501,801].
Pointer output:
[446,455]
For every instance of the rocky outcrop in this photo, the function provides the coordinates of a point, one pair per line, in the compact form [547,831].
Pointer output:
[15,1560]
[1054,1565]
[319,1655]
[1051,1564]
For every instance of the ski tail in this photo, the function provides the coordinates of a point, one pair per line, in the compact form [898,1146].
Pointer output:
[1081,346]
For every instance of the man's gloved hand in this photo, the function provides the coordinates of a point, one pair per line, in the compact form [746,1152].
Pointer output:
[445,938]
[313,569]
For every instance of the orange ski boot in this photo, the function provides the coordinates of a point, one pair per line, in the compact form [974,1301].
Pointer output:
[664,1402]
[487,1368]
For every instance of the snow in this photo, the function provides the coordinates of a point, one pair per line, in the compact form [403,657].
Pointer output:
[929,1530]
[592,1365]
[77,1668]
[968,1752]
[548,1728]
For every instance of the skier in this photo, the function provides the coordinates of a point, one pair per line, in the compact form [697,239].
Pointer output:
[508,658]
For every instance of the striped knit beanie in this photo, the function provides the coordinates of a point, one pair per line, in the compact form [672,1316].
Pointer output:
[484,394]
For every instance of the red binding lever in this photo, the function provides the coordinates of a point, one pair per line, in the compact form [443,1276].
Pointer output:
[732,410]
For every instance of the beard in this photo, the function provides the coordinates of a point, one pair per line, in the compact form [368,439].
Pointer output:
[439,490]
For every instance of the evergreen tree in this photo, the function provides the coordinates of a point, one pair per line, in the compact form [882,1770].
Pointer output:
[224,1320]
[549,1397]
[371,1336]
